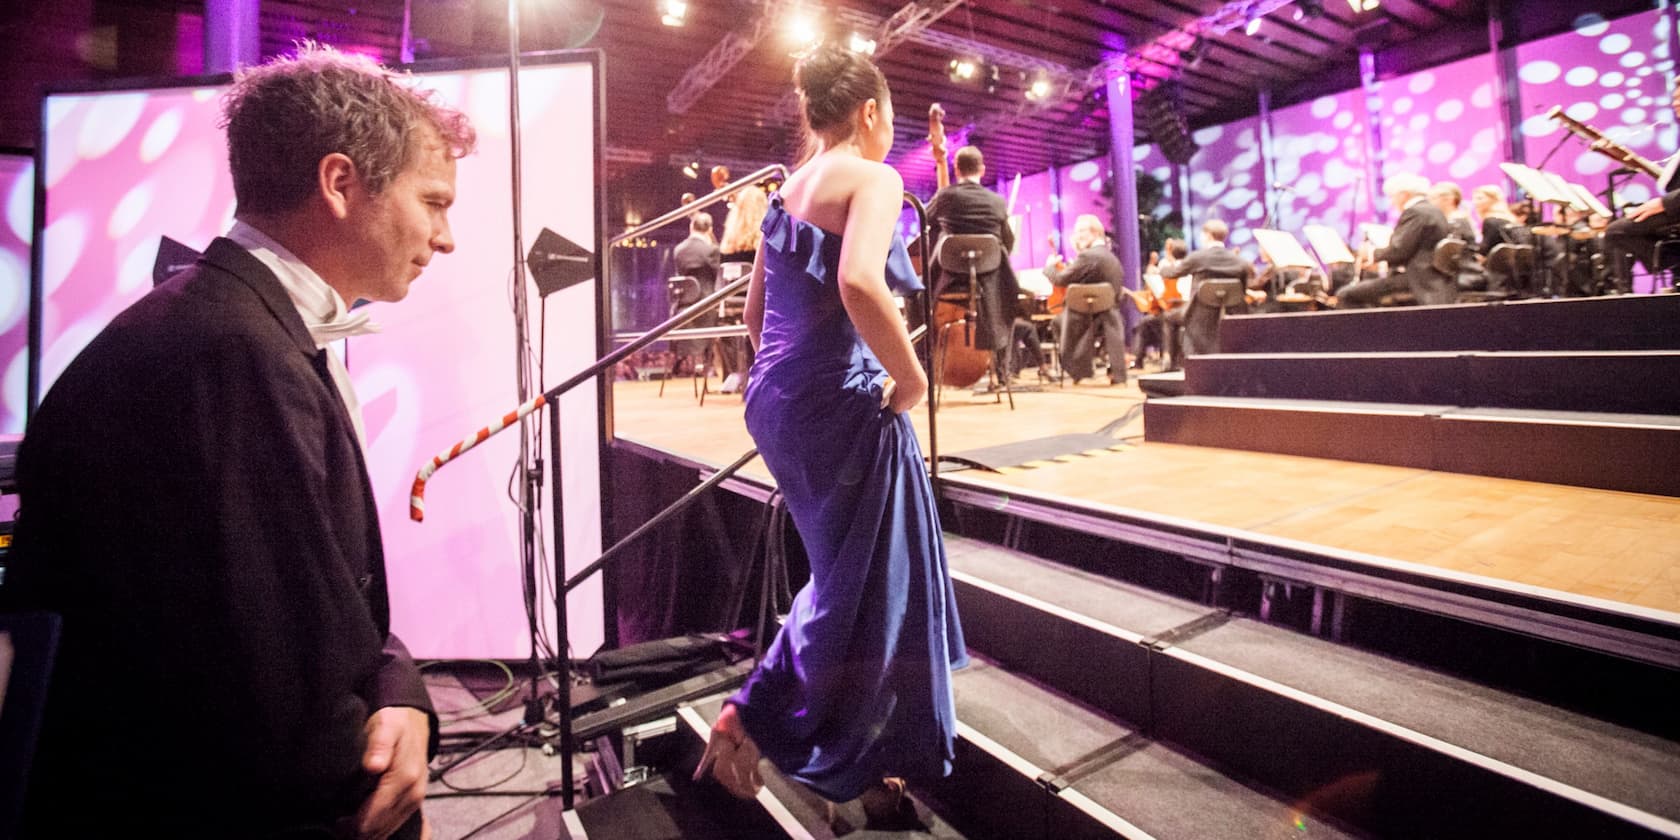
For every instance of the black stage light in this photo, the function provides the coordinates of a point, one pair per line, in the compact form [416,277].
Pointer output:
[172,258]
[557,263]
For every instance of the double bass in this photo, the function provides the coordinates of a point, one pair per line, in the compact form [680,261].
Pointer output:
[958,360]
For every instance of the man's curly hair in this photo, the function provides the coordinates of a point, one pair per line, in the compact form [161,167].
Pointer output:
[282,117]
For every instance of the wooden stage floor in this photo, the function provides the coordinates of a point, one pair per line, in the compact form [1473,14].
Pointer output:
[1621,547]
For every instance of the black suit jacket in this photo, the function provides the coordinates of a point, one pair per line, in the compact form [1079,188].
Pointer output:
[1096,264]
[698,257]
[1411,250]
[195,504]
[1215,262]
[968,207]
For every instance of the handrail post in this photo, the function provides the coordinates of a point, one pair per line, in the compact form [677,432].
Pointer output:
[929,346]
[563,696]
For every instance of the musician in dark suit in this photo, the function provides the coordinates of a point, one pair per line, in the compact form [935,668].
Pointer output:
[1198,323]
[1095,263]
[196,502]
[1411,250]
[967,207]
[1449,199]
[1637,234]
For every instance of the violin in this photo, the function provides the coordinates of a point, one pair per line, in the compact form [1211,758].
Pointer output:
[958,361]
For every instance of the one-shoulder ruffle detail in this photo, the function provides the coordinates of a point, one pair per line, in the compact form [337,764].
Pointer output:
[804,244]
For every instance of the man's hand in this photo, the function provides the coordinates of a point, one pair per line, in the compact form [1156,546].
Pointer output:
[396,753]
[1654,207]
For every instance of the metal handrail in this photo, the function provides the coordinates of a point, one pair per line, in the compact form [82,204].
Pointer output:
[702,202]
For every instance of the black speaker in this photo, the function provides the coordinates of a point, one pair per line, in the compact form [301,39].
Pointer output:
[1163,117]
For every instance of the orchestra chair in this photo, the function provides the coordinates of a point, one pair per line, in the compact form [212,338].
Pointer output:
[682,291]
[1515,262]
[1665,258]
[28,645]
[973,254]
[1090,299]
[1214,299]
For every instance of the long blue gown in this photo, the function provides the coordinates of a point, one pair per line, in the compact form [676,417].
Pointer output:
[857,685]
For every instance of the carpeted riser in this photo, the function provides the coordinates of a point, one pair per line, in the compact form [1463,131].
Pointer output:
[1580,455]
[1354,772]
[1643,322]
[984,797]
[1100,670]
[1633,385]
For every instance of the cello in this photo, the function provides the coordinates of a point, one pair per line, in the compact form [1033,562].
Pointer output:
[958,360]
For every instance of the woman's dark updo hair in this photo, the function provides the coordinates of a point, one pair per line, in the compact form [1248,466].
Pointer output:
[832,82]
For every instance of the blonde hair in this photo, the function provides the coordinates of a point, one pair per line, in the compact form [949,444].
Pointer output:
[1500,209]
[741,227]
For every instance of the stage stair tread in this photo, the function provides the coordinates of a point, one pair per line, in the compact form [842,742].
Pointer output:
[1616,762]
[1132,609]
[1595,418]
[809,810]
[1149,785]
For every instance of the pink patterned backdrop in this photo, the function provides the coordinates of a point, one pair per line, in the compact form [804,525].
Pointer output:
[1319,154]
[17,198]
[1612,75]
[125,168]
[1228,181]
[1442,123]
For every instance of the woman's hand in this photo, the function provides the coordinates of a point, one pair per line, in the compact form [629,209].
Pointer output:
[899,398]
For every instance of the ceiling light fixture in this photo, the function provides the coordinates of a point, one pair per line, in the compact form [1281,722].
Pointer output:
[673,12]
[802,30]
[1363,5]
[1039,89]
[860,44]
[1253,27]
[963,69]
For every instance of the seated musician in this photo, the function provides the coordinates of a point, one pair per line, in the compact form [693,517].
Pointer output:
[1158,297]
[698,257]
[1095,263]
[967,207]
[1449,199]
[1410,253]
[1638,233]
[1198,323]
[1499,227]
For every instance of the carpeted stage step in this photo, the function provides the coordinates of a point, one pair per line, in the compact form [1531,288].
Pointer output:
[1629,381]
[1627,322]
[1627,452]
[1363,740]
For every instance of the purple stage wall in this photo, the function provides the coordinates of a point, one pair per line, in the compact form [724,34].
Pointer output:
[124,168]
[1440,122]
[1610,75]
[1083,187]
[1228,182]
[17,196]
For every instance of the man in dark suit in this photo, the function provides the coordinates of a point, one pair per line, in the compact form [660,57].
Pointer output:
[1197,322]
[698,257]
[196,504]
[1449,199]
[1410,253]
[1635,236]
[1095,263]
[968,207]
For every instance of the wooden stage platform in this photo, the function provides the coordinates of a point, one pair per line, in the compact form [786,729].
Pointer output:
[1607,550]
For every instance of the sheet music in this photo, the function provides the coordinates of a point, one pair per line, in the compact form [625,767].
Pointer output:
[1282,249]
[1033,280]
[1533,182]
[1591,201]
[1376,234]
[1327,244]
[1566,190]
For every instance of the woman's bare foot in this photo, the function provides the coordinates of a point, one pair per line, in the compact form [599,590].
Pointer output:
[731,756]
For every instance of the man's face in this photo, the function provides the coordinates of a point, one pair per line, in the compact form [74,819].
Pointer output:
[1442,202]
[400,229]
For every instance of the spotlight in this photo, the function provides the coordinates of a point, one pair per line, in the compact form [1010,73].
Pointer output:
[692,169]
[860,44]
[1309,9]
[802,30]
[1198,51]
[1363,5]
[674,12]
[1040,88]
[963,69]
[1253,27]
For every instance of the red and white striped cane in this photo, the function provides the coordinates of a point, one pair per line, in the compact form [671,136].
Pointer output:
[417,497]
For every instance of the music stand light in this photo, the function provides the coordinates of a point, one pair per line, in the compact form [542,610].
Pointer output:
[558,263]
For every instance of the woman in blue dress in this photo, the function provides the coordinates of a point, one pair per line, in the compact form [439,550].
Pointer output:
[854,693]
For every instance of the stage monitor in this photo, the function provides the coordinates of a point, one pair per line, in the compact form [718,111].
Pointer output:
[124,168]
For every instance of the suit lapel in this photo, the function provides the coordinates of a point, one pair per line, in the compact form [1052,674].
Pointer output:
[226,255]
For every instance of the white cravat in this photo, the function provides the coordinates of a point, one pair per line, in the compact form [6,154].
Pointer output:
[322,309]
